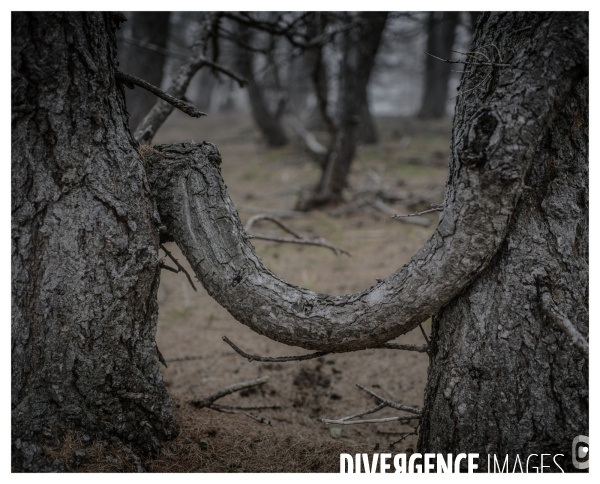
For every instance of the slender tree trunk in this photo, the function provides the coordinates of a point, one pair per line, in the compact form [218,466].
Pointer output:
[367,130]
[84,246]
[145,63]
[441,27]
[267,122]
[360,47]
[504,379]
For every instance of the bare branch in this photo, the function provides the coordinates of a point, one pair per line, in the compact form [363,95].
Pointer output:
[208,401]
[187,108]
[219,406]
[448,61]
[577,339]
[416,214]
[365,412]
[179,266]
[405,347]
[274,212]
[278,359]
[258,419]
[275,220]
[424,333]
[390,403]
[370,421]
[297,240]
[386,209]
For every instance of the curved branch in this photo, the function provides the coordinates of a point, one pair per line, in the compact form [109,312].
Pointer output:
[493,146]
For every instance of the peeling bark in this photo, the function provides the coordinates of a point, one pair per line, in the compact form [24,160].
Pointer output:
[84,246]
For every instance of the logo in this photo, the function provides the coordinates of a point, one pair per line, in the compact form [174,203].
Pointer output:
[581,452]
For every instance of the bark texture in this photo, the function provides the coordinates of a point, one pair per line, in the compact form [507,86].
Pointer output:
[84,246]
[504,378]
[145,63]
[441,27]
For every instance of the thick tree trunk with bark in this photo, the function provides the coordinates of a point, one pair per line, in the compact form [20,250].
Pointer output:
[143,62]
[504,379]
[441,27]
[507,261]
[360,47]
[267,121]
[84,246]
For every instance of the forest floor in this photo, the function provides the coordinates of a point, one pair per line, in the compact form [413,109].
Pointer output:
[409,162]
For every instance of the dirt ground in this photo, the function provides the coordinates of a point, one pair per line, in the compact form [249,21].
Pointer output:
[410,162]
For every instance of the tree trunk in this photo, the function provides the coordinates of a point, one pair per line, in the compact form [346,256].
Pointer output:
[360,47]
[84,246]
[267,122]
[367,130]
[145,63]
[440,39]
[503,378]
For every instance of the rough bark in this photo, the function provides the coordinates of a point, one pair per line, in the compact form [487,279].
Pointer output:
[84,246]
[360,47]
[267,121]
[504,378]
[147,64]
[441,27]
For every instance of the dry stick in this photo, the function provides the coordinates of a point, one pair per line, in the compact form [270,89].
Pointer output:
[168,268]
[278,359]
[208,401]
[390,403]
[298,238]
[318,243]
[448,61]
[577,339]
[258,419]
[179,266]
[416,214]
[275,220]
[386,209]
[187,108]
[424,333]
[369,421]
[365,412]
[405,347]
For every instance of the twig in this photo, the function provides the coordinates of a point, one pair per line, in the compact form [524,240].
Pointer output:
[373,420]
[278,359]
[365,412]
[405,347]
[386,209]
[416,214]
[577,339]
[151,47]
[187,108]
[390,403]
[208,401]
[318,243]
[424,333]
[168,268]
[448,61]
[297,240]
[198,357]
[403,437]
[275,220]
[258,419]
[179,266]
